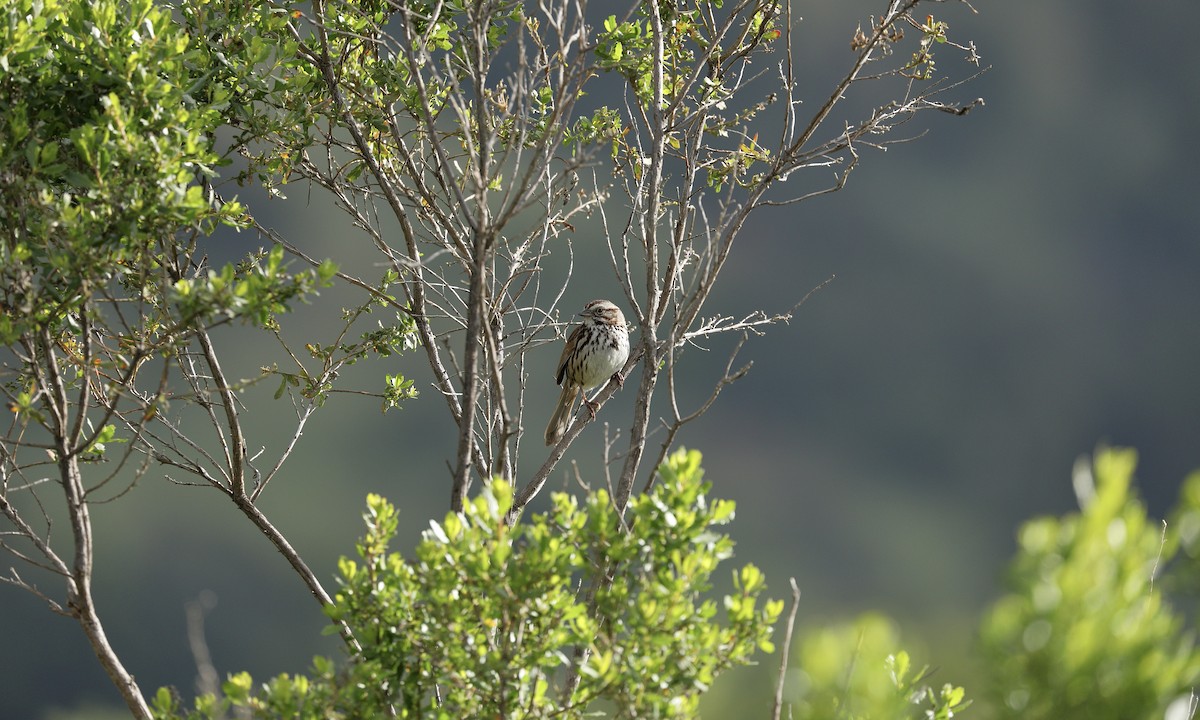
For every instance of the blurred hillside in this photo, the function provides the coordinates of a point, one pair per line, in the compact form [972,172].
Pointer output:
[1013,288]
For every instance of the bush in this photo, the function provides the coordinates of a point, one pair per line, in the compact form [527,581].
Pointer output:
[488,620]
[856,671]
[1086,632]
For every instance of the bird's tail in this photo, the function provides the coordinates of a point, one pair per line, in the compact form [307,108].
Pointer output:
[562,414]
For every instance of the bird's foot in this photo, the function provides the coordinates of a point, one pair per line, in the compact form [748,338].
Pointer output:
[592,407]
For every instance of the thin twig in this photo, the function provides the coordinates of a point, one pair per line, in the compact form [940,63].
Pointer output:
[777,708]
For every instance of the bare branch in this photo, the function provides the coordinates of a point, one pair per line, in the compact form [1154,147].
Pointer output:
[777,707]
[235,452]
[208,682]
[730,376]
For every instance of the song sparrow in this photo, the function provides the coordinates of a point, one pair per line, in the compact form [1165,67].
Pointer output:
[595,352]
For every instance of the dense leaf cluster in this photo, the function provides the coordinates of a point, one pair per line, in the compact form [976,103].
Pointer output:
[1085,632]
[488,620]
[107,151]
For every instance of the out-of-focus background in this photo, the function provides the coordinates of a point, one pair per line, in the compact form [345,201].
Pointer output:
[1016,287]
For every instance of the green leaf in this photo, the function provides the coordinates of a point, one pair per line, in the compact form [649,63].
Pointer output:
[898,667]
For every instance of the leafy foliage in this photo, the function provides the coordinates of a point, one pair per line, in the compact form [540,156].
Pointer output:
[110,113]
[1085,632]
[488,620]
[857,671]
[101,146]
[106,156]
[108,118]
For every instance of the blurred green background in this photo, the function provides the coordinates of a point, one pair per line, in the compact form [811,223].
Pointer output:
[1012,289]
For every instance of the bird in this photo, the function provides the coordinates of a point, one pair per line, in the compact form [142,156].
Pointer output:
[595,352]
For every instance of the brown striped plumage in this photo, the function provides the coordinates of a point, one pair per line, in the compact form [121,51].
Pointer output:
[595,351]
